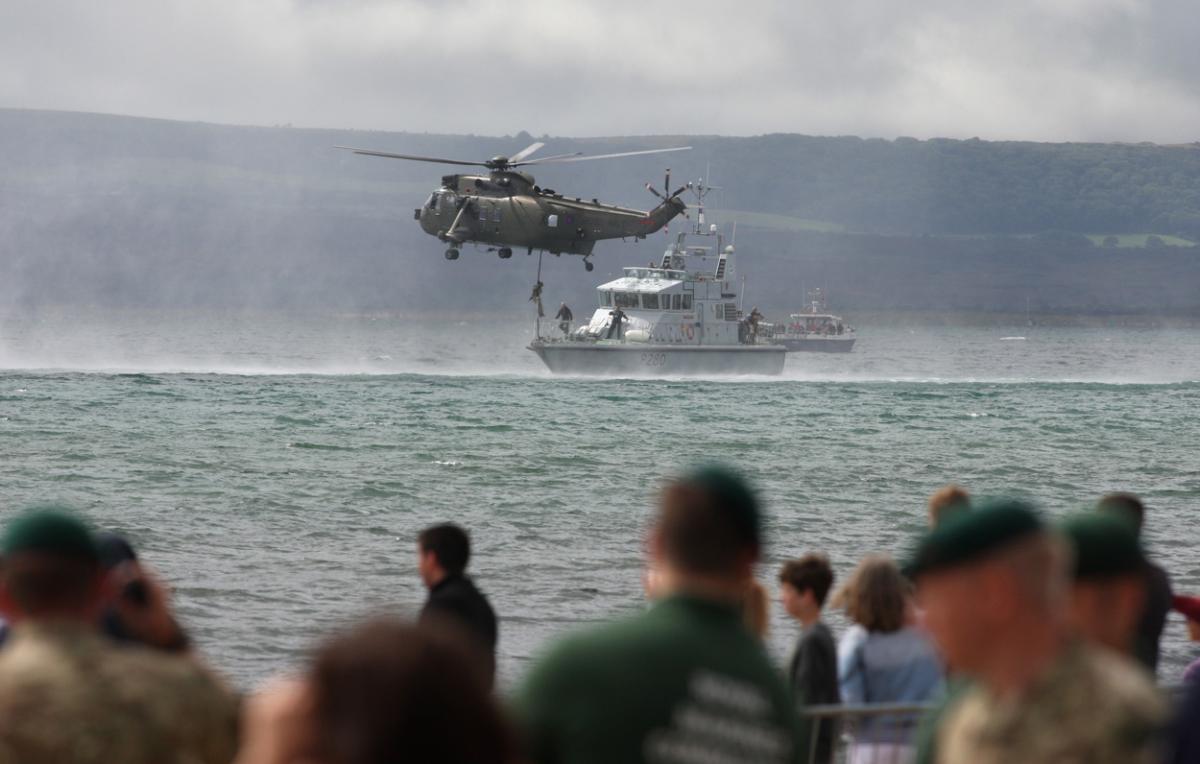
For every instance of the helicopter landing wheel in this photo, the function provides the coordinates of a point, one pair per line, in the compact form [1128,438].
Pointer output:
[452,254]
[505,253]
[588,266]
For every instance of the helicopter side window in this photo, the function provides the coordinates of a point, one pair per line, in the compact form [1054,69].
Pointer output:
[650,301]
[496,214]
[552,221]
[483,213]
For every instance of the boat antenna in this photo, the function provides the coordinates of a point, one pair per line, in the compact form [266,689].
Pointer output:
[700,190]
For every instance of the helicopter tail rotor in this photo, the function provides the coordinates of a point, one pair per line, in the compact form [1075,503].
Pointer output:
[671,198]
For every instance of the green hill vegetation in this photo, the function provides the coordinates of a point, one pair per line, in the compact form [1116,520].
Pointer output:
[110,209]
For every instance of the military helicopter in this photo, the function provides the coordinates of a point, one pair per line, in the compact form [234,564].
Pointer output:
[505,209]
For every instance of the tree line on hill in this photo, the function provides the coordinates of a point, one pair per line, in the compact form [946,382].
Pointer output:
[114,210]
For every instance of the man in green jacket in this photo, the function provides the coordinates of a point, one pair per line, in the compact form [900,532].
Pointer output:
[684,681]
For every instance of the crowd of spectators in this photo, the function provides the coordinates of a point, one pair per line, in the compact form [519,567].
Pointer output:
[1017,639]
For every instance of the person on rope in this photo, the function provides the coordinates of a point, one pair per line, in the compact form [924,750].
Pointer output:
[536,297]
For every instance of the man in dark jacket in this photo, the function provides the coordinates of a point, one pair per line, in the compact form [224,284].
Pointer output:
[443,552]
[1158,583]
[804,585]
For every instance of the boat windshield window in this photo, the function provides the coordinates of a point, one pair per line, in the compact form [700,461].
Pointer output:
[626,299]
[605,299]
[675,298]
[650,301]
[687,302]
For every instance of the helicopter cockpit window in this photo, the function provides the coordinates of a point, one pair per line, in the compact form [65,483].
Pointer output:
[650,301]
[431,202]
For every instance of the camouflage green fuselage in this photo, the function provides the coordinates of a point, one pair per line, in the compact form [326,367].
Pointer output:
[505,209]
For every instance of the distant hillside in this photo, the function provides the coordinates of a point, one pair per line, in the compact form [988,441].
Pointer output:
[116,210]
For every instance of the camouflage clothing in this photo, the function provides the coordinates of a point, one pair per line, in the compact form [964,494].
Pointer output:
[1093,706]
[67,696]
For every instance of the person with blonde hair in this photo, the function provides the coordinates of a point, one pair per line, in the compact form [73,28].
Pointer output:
[946,501]
[883,658]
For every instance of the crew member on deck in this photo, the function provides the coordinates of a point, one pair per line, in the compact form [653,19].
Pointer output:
[616,319]
[753,320]
[565,317]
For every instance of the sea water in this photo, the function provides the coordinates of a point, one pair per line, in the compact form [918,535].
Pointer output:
[276,469]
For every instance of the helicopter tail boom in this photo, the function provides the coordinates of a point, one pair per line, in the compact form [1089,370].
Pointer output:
[655,219]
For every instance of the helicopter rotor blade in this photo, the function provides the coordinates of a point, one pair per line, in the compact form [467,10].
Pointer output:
[541,160]
[680,190]
[654,191]
[588,158]
[517,157]
[410,157]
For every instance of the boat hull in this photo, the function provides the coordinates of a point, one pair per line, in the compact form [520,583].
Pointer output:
[814,345]
[630,359]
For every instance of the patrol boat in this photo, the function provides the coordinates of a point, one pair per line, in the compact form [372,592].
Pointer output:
[816,329]
[678,317]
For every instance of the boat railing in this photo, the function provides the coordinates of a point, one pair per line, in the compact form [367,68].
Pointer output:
[888,729]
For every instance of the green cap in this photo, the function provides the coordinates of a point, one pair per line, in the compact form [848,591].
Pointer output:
[964,537]
[734,497]
[51,530]
[1106,545]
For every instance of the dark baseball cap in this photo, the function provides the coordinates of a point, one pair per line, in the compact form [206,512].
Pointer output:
[49,529]
[965,537]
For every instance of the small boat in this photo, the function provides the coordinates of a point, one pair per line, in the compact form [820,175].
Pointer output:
[815,330]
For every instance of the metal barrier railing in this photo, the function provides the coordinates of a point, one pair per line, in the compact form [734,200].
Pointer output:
[877,733]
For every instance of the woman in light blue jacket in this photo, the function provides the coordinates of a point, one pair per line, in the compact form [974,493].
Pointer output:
[884,658]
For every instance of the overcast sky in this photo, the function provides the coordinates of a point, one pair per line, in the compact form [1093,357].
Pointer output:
[1052,70]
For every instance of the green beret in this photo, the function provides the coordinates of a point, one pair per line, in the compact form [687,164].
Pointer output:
[734,498]
[1105,545]
[964,537]
[51,530]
